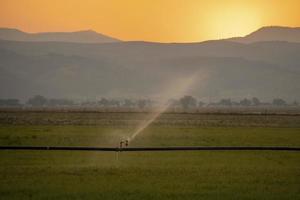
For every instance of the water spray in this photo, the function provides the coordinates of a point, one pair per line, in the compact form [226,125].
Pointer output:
[181,86]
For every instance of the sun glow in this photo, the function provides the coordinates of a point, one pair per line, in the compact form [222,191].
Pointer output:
[233,22]
[151,20]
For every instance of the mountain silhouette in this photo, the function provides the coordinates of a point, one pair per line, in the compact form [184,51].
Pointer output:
[87,36]
[265,69]
[271,33]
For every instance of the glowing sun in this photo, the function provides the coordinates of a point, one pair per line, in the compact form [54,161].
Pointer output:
[233,22]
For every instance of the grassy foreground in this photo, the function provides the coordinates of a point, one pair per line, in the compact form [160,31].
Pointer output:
[150,175]
[176,175]
[74,135]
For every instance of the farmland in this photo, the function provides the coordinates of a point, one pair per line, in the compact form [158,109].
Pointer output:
[149,175]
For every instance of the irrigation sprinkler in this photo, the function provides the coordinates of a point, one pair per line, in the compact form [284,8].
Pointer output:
[123,142]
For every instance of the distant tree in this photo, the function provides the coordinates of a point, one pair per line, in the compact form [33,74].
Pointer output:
[37,100]
[173,103]
[295,103]
[52,102]
[114,103]
[188,102]
[235,103]
[89,103]
[225,102]
[60,102]
[279,102]
[10,102]
[256,101]
[149,102]
[245,102]
[201,103]
[128,103]
[142,103]
[104,102]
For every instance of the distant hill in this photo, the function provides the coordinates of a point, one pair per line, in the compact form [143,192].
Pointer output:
[271,33]
[264,64]
[266,70]
[87,36]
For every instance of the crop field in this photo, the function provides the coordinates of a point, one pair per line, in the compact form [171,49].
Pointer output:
[149,175]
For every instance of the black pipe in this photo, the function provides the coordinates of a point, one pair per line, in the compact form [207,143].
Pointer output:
[174,148]
[60,148]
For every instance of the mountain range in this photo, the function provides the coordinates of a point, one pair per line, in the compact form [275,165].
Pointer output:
[271,33]
[86,36]
[265,64]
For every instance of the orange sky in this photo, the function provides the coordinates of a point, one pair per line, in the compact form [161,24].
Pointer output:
[150,20]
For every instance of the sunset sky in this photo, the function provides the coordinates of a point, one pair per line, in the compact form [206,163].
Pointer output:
[150,20]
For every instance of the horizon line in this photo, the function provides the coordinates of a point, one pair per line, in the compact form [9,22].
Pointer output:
[145,41]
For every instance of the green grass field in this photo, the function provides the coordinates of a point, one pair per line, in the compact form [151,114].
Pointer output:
[149,175]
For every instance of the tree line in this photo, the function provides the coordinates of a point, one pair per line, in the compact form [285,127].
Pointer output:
[186,102]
